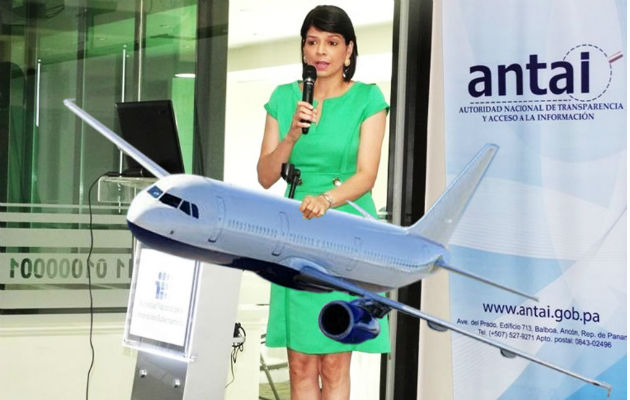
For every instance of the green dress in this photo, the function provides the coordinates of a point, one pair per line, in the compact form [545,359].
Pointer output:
[328,151]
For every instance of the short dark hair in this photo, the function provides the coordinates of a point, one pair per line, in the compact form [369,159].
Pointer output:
[332,19]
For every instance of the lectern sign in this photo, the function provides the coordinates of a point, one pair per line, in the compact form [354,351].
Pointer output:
[161,300]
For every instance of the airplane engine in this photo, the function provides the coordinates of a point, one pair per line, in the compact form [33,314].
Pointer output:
[348,322]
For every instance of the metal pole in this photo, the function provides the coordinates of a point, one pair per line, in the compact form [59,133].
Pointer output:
[399,155]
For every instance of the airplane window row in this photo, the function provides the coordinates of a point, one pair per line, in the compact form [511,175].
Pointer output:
[380,257]
[336,247]
[249,227]
[332,246]
[383,258]
[185,206]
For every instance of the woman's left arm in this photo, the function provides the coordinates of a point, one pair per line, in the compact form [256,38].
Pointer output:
[368,157]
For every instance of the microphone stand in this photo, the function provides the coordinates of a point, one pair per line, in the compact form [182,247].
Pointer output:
[292,176]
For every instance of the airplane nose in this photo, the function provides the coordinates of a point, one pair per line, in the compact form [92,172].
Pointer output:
[152,222]
[147,213]
[162,217]
[135,210]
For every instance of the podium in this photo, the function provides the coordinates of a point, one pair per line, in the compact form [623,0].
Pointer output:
[180,316]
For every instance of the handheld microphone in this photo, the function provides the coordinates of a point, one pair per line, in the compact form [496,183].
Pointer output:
[309,75]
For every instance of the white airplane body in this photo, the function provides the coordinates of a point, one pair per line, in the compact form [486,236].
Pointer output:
[208,220]
[266,234]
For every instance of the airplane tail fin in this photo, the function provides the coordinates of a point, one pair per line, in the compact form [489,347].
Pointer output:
[122,144]
[439,223]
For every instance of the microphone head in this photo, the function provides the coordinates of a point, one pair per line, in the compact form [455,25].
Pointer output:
[309,73]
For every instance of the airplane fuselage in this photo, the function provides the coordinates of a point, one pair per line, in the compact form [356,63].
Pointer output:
[251,230]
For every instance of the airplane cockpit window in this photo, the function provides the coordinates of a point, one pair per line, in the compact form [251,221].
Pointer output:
[185,207]
[195,211]
[170,200]
[155,191]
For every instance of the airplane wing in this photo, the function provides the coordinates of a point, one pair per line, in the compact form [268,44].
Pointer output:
[314,276]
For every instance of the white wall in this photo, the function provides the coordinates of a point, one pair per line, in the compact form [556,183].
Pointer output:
[434,360]
[48,356]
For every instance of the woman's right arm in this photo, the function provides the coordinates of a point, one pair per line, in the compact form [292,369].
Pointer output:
[274,152]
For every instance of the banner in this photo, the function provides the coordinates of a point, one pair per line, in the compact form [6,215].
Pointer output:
[546,81]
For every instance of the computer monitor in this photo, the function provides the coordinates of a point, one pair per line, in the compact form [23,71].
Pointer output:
[150,127]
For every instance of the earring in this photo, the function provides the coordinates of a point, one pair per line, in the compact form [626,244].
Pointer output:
[347,62]
[304,60]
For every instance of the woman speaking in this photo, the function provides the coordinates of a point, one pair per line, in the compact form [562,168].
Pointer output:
[338,160]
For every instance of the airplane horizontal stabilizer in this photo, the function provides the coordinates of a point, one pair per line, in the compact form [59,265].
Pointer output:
[439,223]
[313,275]
[440,263]
[121,143]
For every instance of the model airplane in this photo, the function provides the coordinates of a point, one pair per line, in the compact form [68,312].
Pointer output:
[204,219]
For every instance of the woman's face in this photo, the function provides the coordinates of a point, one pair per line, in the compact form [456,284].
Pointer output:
[326,51]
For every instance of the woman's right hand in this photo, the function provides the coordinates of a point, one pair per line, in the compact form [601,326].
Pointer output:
[273,151]
[304,115]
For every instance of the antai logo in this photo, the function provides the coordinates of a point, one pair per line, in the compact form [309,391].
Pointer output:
[584,74]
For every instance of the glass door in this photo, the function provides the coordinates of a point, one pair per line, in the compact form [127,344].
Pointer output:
[98,53]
